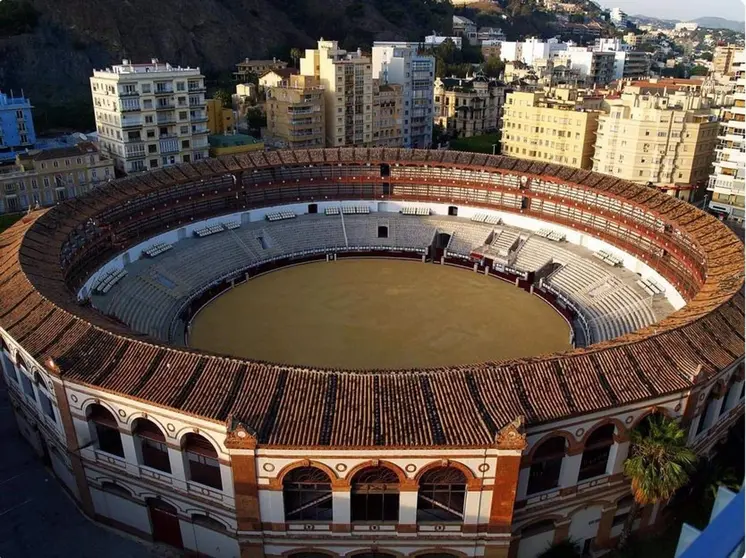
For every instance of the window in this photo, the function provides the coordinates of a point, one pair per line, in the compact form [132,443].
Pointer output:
[546,464]
[105,430]
[375,495]
[307,494]
[28,387]
[442,495]
[46,405]
[596,452]
[185,144]
[202,461]
[151,443]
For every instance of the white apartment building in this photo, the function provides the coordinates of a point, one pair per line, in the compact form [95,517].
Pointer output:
[150,115]
[628,63]
[399,63]
[618,17]
[530,50]
[726,184]
[348,92]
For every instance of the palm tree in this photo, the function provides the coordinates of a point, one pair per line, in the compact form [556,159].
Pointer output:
[295,54]
[659,464]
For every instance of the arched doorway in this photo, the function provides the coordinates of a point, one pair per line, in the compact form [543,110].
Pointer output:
[165,521]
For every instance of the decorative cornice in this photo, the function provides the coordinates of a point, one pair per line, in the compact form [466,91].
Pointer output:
[512,436]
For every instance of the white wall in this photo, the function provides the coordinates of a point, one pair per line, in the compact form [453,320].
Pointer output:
[512,219]
[584,524]
[530,547]
[121,509]
[64,474]
[208,542]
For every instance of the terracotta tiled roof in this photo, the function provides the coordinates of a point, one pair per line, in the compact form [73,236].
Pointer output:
[290,406]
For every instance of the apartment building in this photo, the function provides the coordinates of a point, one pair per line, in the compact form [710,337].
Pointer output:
[296,113]
[628,63]
[150,115]
[726,184]
[664,140]
[220,119]
[16,126]
[595,67]
[465,28]
[388,101]
[468,107]
[42,178]
[400,63]
[723,59]
[554,126]
[249,70]
[347,83]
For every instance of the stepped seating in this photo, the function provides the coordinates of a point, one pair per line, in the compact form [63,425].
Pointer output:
[232,225]
[504,241]
[419,211]
[549,234]
[650,287]
[331,211]
[464,239]
[355,209]
[109,280]
[533,255]
[608,258]
[158,249]
[209,230]
[280,216]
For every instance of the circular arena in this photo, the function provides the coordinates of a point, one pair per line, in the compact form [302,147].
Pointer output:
[149,332]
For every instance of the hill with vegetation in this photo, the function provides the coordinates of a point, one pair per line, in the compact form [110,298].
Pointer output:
[49,48]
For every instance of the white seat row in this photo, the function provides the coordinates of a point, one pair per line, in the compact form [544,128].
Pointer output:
[280,216]
[157,249]
[331,211]
[608,258]
[232,225]
[109,280]
[355,209]
[420,211]
[207,231]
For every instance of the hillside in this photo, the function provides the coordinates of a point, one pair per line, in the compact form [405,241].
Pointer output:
[720,23]
[49,48]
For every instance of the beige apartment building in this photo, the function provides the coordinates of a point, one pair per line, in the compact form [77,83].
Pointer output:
[150,115]
[388,100]
[468,107]
[553,126]
[347,83]
[296,114]
[43,178]
[253,69]
[722,60]
[664,140]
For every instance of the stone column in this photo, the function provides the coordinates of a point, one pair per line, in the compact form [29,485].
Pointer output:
[130,452]
[603,535]
[561,531]
[570,468]
[407,509]
[176,458]
[341,511]
[523,483]
[241,445]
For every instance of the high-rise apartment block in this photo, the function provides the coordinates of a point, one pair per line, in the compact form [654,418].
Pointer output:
[16,126]
[150,115]
[666,140]
[723,59]
[296,114]
[348,92]
[553,126]
[400,63]
[726,183]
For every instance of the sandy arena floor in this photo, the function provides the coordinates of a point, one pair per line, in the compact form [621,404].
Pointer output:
[378,314]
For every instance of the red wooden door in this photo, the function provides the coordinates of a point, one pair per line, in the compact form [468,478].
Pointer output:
[165,523]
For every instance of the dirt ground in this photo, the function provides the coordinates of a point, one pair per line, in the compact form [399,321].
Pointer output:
[378,314]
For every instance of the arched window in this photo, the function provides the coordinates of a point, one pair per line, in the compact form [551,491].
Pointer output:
[307,494]
[206,521]
[537,528]
[546,465]
[730,398]
[203,465]
[112,488]
[375,495]
[442,495]
[596,452]
[704,418]
[151,443]
[105,430]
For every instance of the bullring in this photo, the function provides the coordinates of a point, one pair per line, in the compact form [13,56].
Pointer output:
[207,436]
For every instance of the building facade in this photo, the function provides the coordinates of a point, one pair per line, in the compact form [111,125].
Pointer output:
[468,107]
[251,70]
[388,102]
[555,126]
[657,139]
[44,178]
[296,114]
[220,119]
[399,63]
[150,116]
[347,82]
[726,184]
[16,126]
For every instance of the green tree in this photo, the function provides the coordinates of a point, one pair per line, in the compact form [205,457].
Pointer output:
[699,71]
[493,67]
[295,55]
[659,464]
[706,56]
[224,96]
[256,120]
[563,549]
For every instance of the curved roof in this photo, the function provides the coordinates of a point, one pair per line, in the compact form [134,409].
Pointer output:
[296,407]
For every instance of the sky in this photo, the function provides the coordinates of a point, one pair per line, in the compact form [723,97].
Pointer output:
[680,9]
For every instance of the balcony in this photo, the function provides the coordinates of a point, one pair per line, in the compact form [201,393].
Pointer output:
[164,90]
[199,118]
[197,89]
[165,106]
[166,119]
[130,108]
[199,131]
[169,146]
[133,93]
[131,122]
